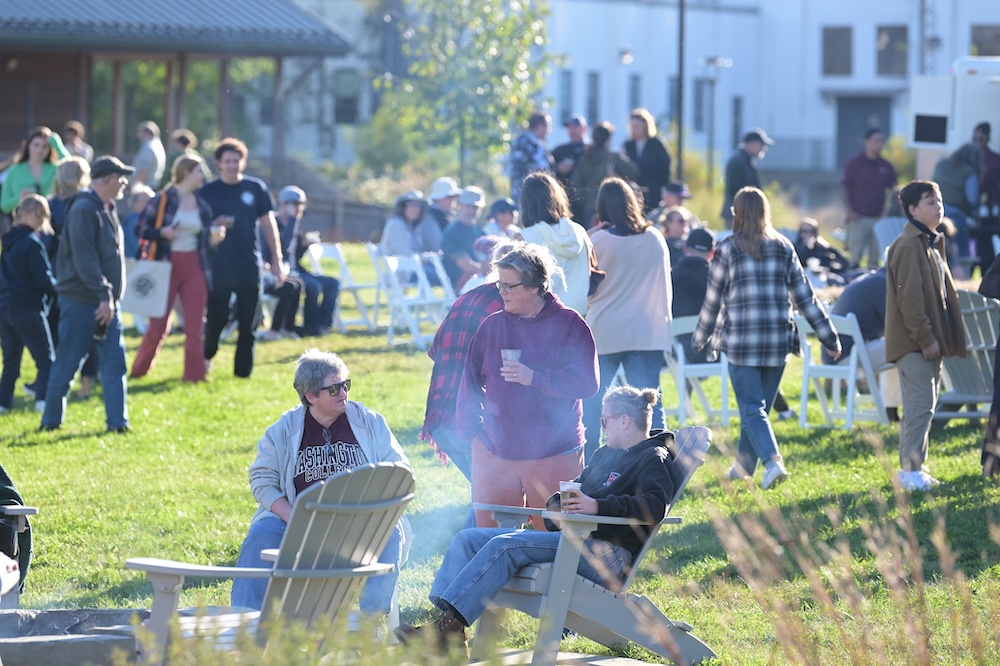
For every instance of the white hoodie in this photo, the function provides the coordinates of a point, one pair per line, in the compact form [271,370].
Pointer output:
[570,245]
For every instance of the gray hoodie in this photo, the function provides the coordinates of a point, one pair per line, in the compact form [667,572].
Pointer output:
[90,262]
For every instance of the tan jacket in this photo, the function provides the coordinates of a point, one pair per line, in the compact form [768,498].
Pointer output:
[915,315]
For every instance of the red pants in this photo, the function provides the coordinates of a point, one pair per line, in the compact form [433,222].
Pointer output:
[187,280]
[518,482]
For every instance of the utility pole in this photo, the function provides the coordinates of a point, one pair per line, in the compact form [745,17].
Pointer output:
[680,89]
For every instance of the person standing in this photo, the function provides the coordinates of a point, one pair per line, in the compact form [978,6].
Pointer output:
[565,158]
[689,279]
[73,138]
[595,164]
[34,168]
[528,152]
[741,169]
[650,156]
[151,159]
[867,178]
[923,323]
[751,277]
[241,204]
[175,226]
[90,269]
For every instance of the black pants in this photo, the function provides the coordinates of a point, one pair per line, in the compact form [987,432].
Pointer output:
[247,291]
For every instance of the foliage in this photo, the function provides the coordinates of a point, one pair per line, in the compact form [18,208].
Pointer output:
[475,69]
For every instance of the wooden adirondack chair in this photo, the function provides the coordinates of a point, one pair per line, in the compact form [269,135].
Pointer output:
[331,545]
[560,598]
[968,381]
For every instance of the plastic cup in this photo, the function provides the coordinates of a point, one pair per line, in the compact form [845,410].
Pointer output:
[510,355]
[218,233]
[568,489]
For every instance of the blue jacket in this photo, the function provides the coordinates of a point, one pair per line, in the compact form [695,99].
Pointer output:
[26,280]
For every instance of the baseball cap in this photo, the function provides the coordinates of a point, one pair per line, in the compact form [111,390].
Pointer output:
[471,196]
[679,188]
[105,165]
[757,134]
[576,119]
[983,128]
[505,205]
[701,239]
[291,194]
[444,187]
[410,195]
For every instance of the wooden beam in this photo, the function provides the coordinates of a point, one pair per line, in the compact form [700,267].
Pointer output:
[277,123]
[117,110]
[225,99]
[182,70]
[169,102]
[85,67]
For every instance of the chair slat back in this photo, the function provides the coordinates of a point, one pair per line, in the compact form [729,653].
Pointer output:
[689,449]
[323,535]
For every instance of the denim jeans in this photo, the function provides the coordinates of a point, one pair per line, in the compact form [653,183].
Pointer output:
[481,561]
[376,595]
[755,388]
[20,329]
[642,370]
[318,316]
[76,335]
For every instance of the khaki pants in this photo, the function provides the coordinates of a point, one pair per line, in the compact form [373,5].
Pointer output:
[861,240]
[918,379]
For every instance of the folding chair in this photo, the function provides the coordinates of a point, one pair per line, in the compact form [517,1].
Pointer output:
[691,374]
[887,230]
[410,299]
[348,285]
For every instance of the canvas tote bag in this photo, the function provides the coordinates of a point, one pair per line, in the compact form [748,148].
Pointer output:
[147,282]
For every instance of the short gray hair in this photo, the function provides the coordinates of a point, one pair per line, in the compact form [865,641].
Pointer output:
[312,369]
[534,264]
[635,403]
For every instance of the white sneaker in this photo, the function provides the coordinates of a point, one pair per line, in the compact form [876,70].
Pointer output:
[773,475]
[919,480]
[269,336]
[736,474]
[39,405]
[3,410]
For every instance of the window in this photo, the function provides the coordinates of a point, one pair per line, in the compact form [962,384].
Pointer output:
[346,95]
[634,92]
[672,98]
[593,96]
[837,45]
[565,95]
[985,40]
[700,103]
[893,52]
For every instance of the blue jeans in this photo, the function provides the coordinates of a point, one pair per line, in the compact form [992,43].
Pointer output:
[316,316]
[481,561]
[755,388]
[76,335]
[376,595]
[642,370]
[20,329]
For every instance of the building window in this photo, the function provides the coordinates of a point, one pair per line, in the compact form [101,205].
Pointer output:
[837,46]
[593,96]
[565,95]
[634,92]
[893,51]
[672,95]
[737,125]
[346,95]
[985,40]
[700,104]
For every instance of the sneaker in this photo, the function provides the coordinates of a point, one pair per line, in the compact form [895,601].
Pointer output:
[47,427]
[29,390]
[737,474]
[447,627]
[774,473]
[120,430]
[919,480]
[269,336]
[787,415]
[39,405]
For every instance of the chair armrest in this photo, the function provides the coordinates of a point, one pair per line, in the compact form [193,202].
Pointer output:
[18,510]
[269,554]
[508,516]
[181,569]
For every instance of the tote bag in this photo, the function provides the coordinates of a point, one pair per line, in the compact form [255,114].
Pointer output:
[147,285]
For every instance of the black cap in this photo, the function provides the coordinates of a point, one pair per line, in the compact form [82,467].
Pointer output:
[105,165]
[757,134]
[701,239]
[504,205]
[576,119]
[678,188]
[983,128]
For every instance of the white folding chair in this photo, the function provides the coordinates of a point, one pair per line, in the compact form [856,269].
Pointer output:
[691,374]
[348,285]
[410,299]
[886,230]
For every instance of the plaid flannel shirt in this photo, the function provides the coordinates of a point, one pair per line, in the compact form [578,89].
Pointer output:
[757,328]
[450,347]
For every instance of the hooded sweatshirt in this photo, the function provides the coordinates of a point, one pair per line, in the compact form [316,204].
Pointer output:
[518,422]
[571,248]
[26,281]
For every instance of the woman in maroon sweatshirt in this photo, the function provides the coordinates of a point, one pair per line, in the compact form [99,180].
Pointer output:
[524,416]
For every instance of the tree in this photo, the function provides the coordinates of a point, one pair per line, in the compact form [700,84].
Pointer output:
[475,67]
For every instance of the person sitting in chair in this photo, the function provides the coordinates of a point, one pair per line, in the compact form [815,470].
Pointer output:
[632,476]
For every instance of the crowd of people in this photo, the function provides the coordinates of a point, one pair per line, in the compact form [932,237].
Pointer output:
[77,221]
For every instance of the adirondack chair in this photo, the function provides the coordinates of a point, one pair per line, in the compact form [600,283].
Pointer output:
[337,530]
[11,597]
[969,381]
[560,598]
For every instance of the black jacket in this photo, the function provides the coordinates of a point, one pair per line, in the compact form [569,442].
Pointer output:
[654,170]
[26,281]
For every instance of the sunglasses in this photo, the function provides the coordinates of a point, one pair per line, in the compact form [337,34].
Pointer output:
[334,388]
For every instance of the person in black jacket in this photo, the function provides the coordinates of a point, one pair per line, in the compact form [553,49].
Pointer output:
[632,476]
[27,289]
[650,155]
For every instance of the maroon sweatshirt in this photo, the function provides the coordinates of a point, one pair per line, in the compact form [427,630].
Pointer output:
[529,422]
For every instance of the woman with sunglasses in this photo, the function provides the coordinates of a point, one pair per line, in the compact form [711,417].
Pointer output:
[325,435]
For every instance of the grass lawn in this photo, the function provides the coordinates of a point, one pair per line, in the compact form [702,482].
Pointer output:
[832,567]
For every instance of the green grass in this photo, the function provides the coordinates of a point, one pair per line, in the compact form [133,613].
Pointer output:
[798,575]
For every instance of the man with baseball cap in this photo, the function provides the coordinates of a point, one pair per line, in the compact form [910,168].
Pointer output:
[444,193]
[565,157]
[503,219]
[689,278]
[458,256]
[90,264]
[741,169]
[528,152]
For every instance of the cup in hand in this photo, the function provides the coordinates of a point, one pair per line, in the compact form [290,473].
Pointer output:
[218,233]
[510,355]
[568,489]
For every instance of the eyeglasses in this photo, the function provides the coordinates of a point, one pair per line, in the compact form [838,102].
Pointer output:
[507,287]
[334,388]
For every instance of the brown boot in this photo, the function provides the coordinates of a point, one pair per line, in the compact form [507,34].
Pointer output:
[445,627]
